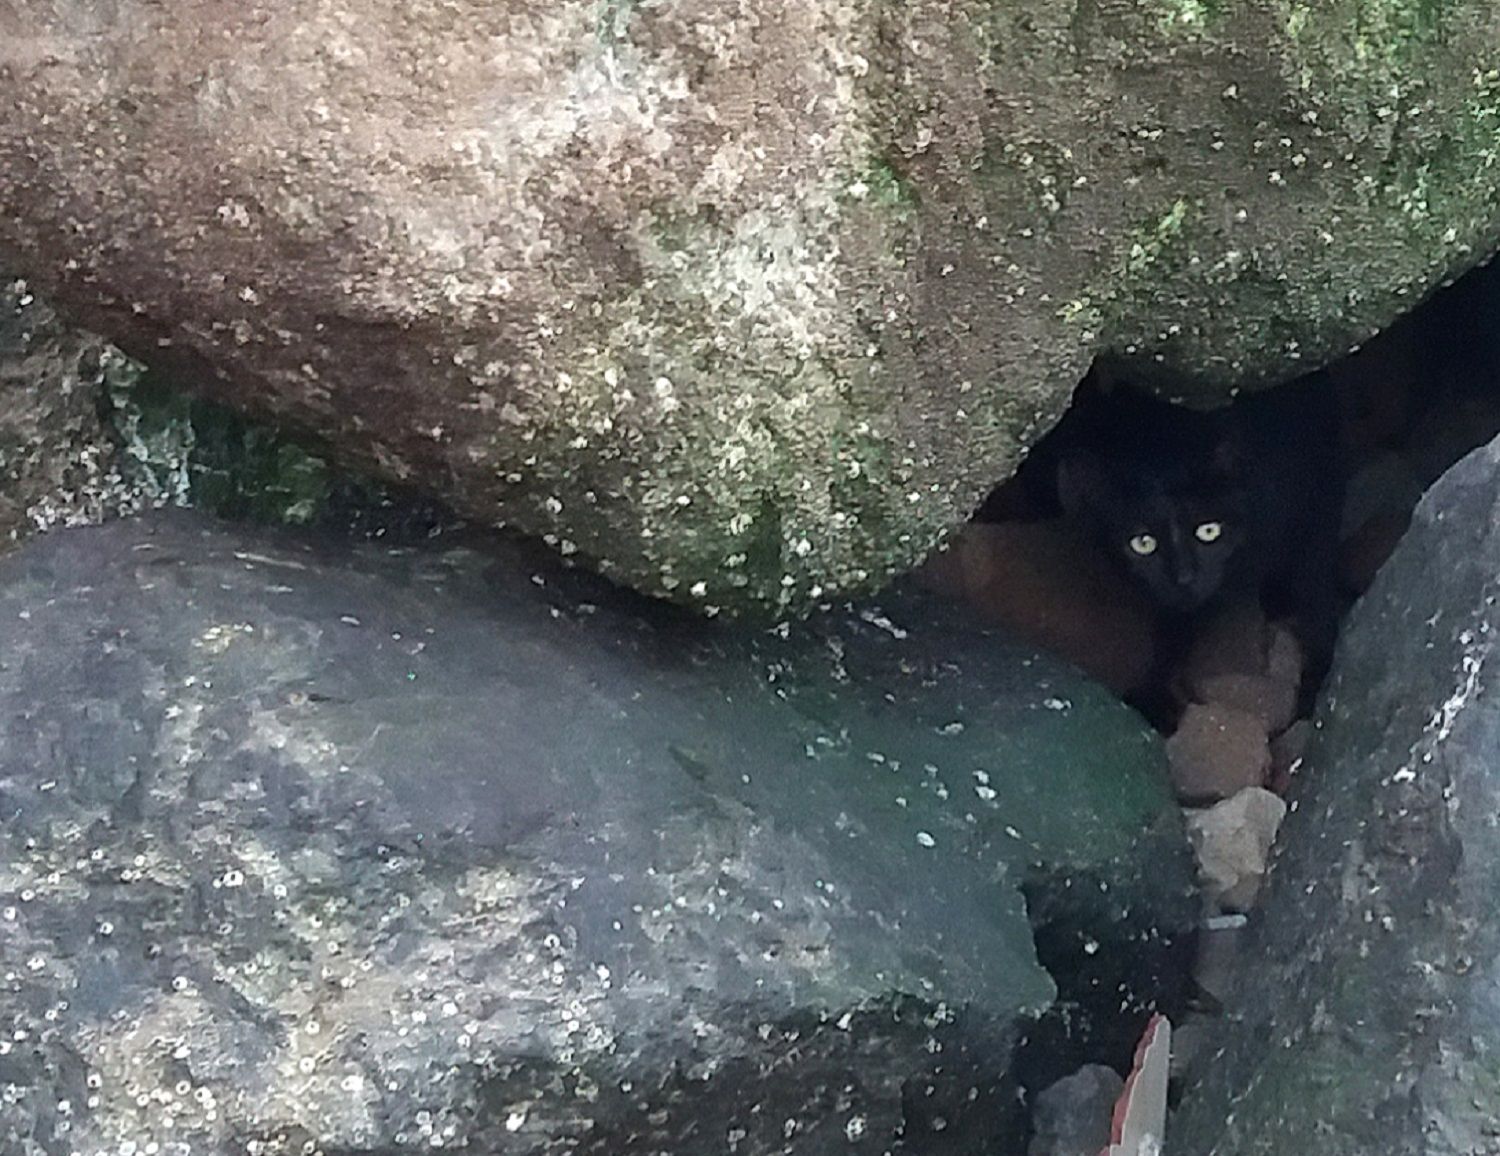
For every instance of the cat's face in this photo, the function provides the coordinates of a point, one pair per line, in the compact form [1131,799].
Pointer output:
[1177,543]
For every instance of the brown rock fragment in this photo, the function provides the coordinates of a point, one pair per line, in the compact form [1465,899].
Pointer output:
[1233,843]
[1217,751]
[1271,700]
[1041,582]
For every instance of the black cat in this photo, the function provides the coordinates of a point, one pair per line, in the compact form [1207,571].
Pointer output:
[1199,507]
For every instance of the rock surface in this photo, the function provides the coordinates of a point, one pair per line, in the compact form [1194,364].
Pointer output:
[57,459]
[746,301]
[1367,1021]
[340,849]
[1073,1115]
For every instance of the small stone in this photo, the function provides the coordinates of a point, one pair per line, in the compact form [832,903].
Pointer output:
[1271,700]
[1233,841]
[1219,947]
[1216,752]
[1073,1116]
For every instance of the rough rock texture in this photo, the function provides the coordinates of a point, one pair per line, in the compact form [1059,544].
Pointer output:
[1073,1115]
[57,457]
[1369,1024]
[747,301]
[366,851]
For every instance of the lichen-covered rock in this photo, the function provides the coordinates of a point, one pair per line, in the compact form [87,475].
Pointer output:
[355,850]
[59,460]
[1366,1021]
[746,300]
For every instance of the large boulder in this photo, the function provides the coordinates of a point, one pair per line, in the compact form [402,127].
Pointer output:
[1367,1023]
[746,300]
[359,850]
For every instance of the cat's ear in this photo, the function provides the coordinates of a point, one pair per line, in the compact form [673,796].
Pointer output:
[1080,483]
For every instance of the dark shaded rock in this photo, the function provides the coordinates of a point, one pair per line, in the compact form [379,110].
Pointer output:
[1287,750]
[1368,1022]
[1073,1115]
[379,851]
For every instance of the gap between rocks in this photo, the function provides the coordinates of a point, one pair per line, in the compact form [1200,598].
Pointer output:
[1235,697]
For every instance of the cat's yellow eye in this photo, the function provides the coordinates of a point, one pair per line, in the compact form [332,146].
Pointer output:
[1143,544]
[1208,531]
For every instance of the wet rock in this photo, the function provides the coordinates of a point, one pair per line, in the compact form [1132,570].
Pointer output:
[1232,840]
[1072,1117]
[1044,585]
[747,302]
[387,850]
[1216,752]
[1366,1021]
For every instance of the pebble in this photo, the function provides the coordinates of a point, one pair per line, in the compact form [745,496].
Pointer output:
[1217,751]
[1271,700]
[1233,841]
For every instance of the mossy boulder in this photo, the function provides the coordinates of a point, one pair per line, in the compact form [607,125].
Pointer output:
[378,851]
[746,302]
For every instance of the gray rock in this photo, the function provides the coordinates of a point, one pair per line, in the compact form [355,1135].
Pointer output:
[1073,1115]
[339,849]
[1367,1020]
[746,301]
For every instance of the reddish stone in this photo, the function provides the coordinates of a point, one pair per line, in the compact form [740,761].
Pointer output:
[1055,591]
[1216,752]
